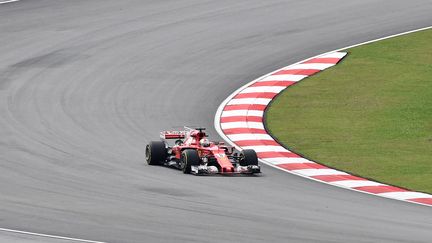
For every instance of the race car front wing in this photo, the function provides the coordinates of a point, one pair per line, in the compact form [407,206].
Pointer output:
[208,170]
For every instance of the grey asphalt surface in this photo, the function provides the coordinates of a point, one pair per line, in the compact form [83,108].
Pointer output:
[84,85]
[11,237]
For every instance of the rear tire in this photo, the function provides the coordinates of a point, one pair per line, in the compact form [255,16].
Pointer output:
[189,158]
[248,157]
[156,153]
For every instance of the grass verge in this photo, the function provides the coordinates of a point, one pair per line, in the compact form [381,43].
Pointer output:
[371,115]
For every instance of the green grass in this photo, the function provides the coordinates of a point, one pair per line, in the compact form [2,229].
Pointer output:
[371,115]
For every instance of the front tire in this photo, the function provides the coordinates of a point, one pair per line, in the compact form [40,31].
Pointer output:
[189,158]
[156,153]
[248,157]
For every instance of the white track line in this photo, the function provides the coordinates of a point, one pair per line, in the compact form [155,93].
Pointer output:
[219,111]
[49,236]
[9,1]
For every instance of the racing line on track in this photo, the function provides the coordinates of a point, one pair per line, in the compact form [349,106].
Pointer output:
[239,120]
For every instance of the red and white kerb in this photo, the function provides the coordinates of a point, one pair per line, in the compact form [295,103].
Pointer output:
[241,120]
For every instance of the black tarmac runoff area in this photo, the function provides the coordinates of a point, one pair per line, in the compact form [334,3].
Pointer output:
[86,84]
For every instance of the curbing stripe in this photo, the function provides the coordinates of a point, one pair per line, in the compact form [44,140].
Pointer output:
[284,77]
[284,160]
[266,148]
[264,89]
[241,118]
[357,183]
[230,107]
[318,172]
[330,179]
[256,142]
[282,84]
[255,95]
[243,113]
[379,189]
[249,136]
[229,125]
[250,101]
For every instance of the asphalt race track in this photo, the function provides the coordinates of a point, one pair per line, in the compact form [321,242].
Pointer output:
[84,85]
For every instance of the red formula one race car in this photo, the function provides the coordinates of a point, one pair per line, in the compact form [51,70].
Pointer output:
[193,153]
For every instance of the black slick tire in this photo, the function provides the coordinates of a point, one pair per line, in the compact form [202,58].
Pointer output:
[248,157]
[156,153]
[189,158]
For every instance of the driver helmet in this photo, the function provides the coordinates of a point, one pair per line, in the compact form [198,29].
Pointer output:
[205,142]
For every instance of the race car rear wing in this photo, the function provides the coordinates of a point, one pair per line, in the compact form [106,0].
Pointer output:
[173,134]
